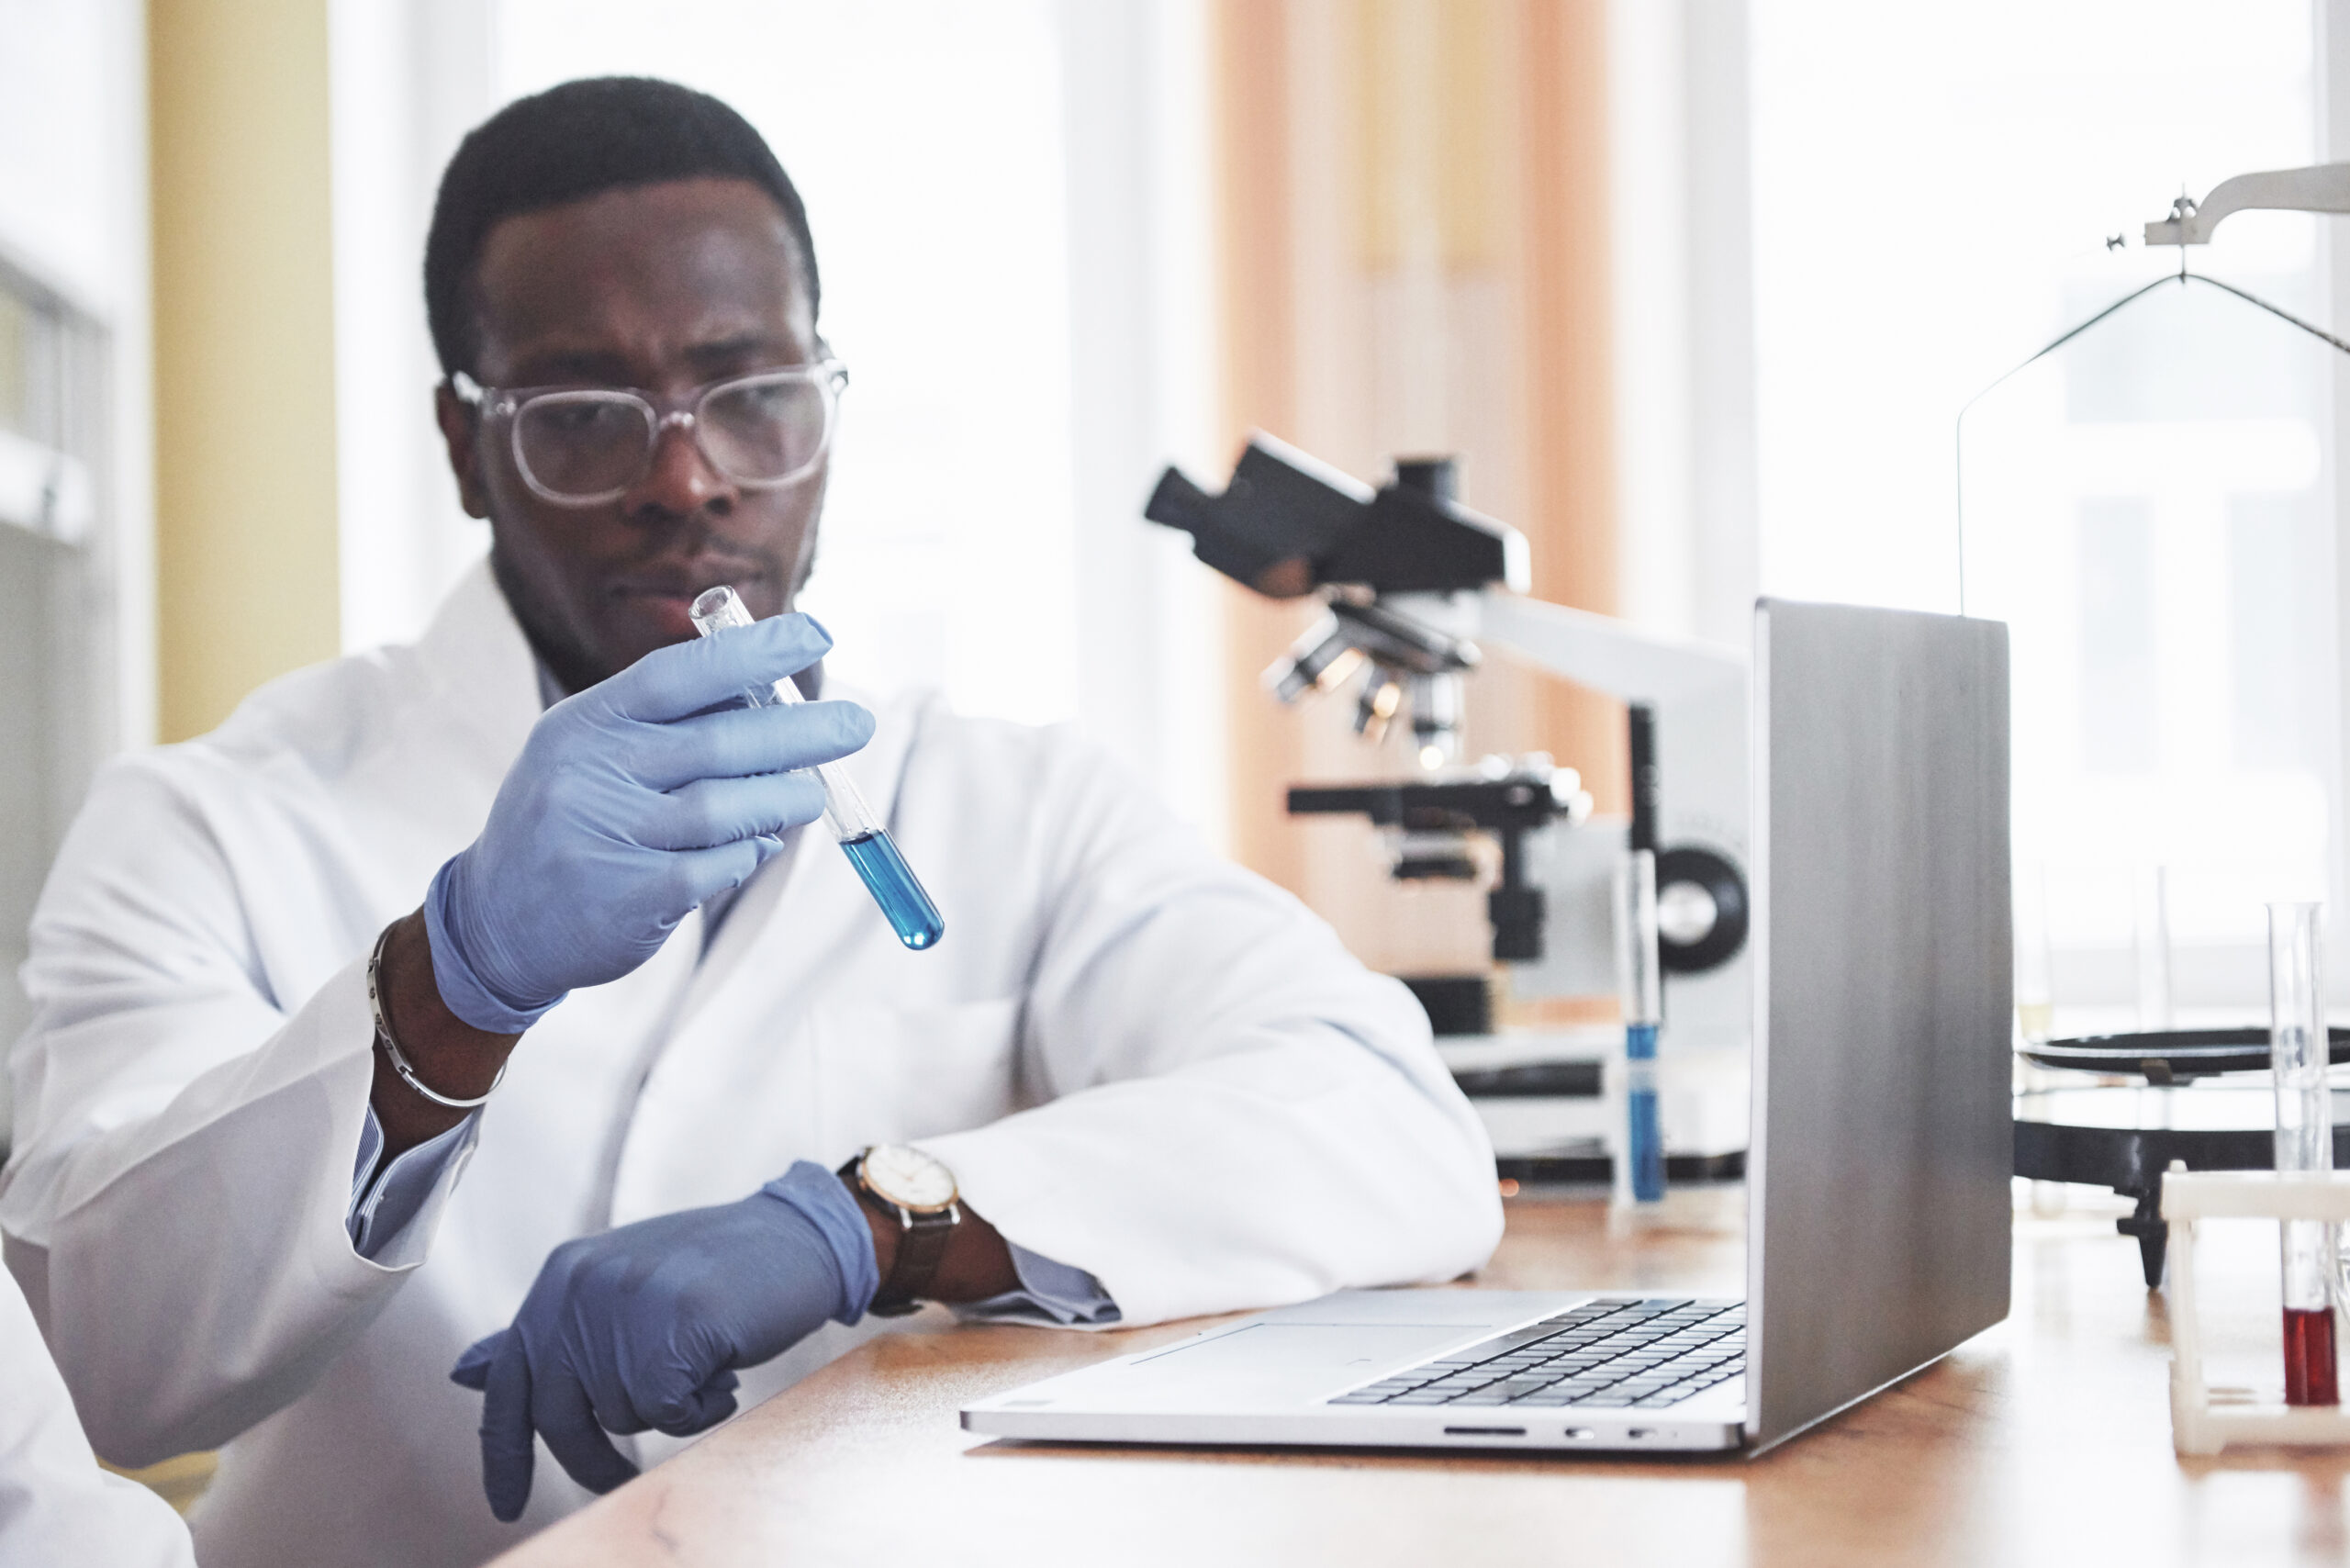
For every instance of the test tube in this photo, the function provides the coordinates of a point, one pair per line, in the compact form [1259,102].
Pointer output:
[867,843]
[2297,1054]
[1640,982]
[2155,1009]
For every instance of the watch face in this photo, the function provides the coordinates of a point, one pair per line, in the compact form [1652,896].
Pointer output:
[908,1177]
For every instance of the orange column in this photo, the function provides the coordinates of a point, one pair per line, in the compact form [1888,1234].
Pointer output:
[1498,139]
[1257,278]
[246,557]
[1570,411]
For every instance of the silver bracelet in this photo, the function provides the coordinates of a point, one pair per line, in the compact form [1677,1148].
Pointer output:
[392,1048]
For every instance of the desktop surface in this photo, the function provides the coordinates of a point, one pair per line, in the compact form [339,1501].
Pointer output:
[2044,1439]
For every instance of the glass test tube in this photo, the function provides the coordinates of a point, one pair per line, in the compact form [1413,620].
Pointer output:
[2297,1054]
[866,842]
[2152,922]
[1641,983]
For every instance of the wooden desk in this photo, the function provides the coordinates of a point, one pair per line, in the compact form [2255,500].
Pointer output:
[2046,1439]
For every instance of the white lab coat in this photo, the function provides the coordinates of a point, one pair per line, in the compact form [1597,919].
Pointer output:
[1137,1060]
[56,1505]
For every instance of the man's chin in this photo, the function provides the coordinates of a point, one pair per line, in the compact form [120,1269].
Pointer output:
[657,620]
[634,627]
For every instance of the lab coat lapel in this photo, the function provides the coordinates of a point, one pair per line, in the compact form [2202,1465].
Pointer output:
[426,734]
[478,668]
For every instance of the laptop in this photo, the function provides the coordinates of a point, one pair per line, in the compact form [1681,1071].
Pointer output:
[1877,1173]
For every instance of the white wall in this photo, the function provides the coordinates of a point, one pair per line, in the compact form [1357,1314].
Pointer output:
[408,80]
[72,135]
[1142,347]
[1834,221]
[1934,192]
[74,220]
[73,214]
[1683,315]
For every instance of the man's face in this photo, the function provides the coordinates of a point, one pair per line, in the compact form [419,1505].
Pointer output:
[664,288]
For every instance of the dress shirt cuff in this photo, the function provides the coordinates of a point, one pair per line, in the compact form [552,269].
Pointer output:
[1050,1293]
[384,1202]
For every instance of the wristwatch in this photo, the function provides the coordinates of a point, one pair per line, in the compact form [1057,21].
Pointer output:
[919,1192]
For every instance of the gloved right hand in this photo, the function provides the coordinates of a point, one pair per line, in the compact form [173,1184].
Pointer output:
[632,803]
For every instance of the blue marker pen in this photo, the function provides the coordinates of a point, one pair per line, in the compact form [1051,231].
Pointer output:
[862,837]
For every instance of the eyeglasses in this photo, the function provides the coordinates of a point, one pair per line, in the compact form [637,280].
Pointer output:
[584,446]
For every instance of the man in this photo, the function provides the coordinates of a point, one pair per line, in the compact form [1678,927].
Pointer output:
[1146,1083]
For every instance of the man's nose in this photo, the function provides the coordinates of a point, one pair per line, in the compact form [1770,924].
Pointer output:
[680,481]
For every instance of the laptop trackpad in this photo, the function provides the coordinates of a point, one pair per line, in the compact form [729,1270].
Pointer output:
[1319,1352]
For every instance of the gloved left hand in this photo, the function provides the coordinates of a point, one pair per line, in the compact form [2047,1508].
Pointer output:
[643,1327]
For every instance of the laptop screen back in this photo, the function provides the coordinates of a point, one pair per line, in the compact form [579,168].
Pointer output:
[1878,1200]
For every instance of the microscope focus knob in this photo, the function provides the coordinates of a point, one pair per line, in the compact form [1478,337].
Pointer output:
[1701,910]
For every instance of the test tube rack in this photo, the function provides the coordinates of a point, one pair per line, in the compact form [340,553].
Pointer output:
[2198,1424]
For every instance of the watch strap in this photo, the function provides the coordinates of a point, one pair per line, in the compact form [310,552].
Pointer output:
[922,1244]
[920,1247]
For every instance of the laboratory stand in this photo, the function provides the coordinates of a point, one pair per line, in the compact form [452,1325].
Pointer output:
[2199,1096]
[2124,1138]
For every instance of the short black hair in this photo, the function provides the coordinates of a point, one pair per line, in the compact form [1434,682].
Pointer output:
[576,141]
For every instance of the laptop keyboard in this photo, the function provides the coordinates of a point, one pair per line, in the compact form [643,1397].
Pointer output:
[1618,1352]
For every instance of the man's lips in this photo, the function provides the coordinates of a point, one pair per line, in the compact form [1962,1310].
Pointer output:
[685,587]
[662,602]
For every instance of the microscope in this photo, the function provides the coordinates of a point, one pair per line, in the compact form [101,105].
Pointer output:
[1414,586]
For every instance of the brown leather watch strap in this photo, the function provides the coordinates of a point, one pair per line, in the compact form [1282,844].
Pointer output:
[922,1242]
[919,1251]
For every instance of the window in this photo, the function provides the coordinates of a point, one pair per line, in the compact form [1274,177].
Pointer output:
[2149,508]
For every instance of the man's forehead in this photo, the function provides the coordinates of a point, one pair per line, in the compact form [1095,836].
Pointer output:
[649,274]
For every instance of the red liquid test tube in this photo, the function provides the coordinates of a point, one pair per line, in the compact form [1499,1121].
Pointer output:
[2298,1048]
[2310,1376]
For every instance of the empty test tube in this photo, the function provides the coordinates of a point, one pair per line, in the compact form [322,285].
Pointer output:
[866,842]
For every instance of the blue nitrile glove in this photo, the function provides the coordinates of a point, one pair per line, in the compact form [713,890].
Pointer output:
[632,803]
[643,1325]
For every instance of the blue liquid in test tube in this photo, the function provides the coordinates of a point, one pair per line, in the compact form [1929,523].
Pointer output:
[1643,1134]
[895,888]
[1643,1010]
[862,837]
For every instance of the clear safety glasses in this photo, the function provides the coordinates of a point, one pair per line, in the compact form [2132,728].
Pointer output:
[584,446]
